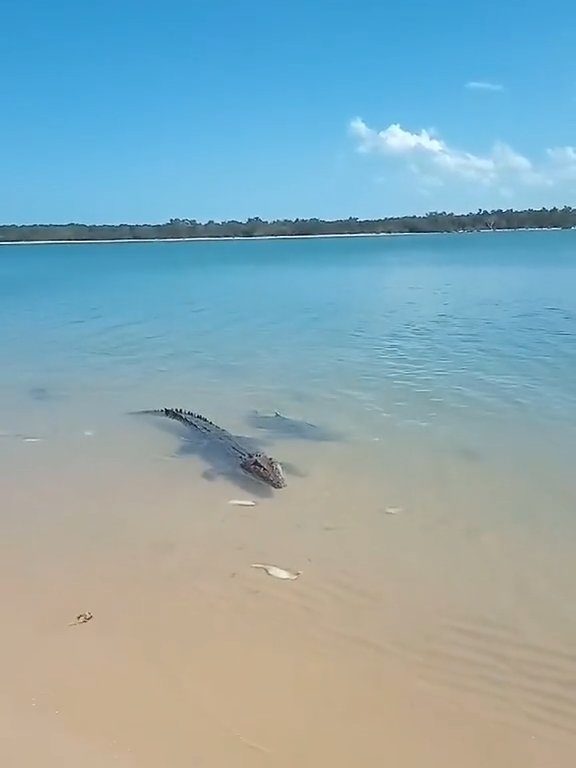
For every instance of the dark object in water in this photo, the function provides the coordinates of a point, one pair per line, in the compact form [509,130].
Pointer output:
[40,393]
[284,426]
[255,463]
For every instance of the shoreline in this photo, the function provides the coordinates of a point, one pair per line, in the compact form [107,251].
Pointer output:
[274,237]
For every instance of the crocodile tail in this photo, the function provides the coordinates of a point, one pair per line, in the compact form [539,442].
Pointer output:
[183,414]
[178,414]
[160,412]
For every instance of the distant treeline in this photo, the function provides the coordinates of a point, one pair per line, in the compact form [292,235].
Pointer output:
[543,218]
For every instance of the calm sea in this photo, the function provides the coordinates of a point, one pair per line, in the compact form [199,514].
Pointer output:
[433,511]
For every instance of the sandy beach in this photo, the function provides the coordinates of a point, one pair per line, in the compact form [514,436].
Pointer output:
[193,656]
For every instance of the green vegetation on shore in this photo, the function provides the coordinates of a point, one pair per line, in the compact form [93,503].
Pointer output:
[543,218]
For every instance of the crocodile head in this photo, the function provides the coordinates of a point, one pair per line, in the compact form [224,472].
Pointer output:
[265,469]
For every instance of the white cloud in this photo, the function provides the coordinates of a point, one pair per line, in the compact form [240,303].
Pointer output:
[563,161]
[424,149]
[434,161]
[483,85]
[562,155]
[506,157]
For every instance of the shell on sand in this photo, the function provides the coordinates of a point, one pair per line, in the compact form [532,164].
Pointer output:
[82,618]
[242,503]
[278,573]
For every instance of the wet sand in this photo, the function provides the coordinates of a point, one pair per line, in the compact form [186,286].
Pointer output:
[411,639]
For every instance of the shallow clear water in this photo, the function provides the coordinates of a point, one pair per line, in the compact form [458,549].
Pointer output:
[443,369]
[484,322]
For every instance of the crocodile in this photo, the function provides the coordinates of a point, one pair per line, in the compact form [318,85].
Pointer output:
[254,463]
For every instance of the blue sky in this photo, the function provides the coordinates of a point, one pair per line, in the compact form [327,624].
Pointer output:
[141,111]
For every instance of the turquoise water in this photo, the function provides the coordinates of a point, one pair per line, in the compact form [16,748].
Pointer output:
[443,368]
[484,322]
[465,343]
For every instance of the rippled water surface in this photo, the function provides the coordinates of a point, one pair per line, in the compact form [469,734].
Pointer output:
[439,376]
[482,321]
